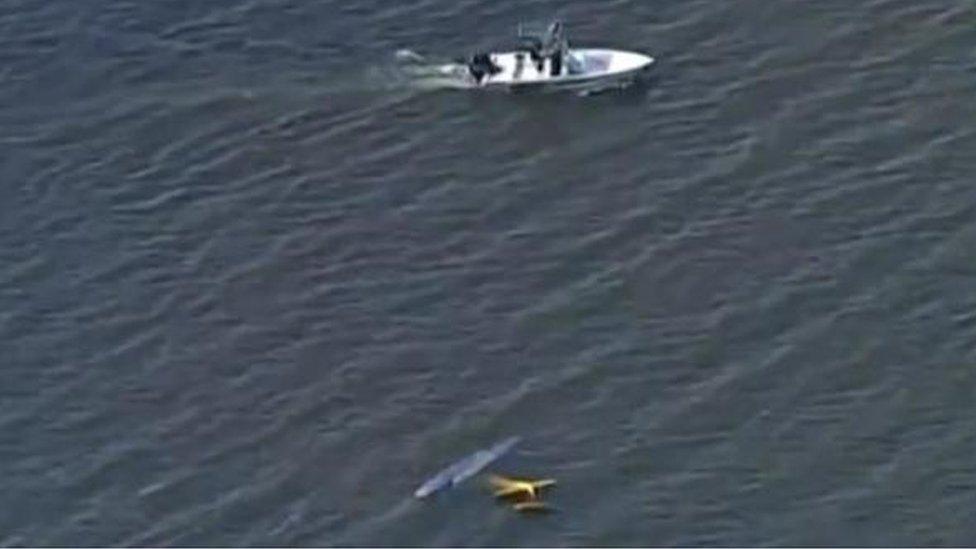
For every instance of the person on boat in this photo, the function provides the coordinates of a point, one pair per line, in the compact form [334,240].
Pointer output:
[533,45]
[556,63]
[519,65]
[554,48]
[482,66]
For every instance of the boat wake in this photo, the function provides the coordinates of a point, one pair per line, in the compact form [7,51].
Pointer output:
[420,72]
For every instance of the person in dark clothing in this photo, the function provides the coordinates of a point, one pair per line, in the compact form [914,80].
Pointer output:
[534,46]
[554,47]
[557,63]
[537,59]
[481,66]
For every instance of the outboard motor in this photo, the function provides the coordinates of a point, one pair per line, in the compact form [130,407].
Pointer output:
[481,66]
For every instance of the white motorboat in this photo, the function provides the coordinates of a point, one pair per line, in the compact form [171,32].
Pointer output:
[547,62]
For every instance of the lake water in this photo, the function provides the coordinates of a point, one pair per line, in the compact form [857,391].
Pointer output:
[256,285]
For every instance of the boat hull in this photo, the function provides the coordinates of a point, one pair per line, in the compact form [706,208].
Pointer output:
[594,69]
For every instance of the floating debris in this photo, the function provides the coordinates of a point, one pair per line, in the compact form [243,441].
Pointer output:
[465,468]
[523,494]
[506,487]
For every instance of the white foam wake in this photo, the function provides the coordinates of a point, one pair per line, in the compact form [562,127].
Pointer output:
[421,72]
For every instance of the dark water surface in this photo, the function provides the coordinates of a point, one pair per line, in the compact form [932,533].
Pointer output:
[254,288]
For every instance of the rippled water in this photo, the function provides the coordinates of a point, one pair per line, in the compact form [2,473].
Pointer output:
[256,286]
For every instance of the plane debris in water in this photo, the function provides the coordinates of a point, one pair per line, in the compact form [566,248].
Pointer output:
[465,468]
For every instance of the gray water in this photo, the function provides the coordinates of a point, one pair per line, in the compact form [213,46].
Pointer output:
[256,285]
